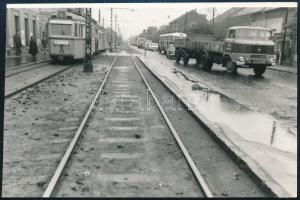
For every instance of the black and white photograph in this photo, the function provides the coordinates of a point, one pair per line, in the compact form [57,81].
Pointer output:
[176,99]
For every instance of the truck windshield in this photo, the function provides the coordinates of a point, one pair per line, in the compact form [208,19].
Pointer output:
[61,29]
[171,46]
[253,34]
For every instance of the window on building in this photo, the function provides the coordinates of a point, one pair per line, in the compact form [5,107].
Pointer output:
[26,31]
[34,28]
[17,24]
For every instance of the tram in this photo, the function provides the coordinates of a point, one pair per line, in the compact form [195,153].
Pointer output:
[66,36]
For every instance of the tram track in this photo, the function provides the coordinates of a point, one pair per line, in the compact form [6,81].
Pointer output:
[17,76]
[57,178]
[17,70]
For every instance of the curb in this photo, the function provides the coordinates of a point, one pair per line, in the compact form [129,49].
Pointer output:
[240,157]
[281,70]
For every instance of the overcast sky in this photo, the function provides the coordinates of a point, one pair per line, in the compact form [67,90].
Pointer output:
[133,22]
[133,18]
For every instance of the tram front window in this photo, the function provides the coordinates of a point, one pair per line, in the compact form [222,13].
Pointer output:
[61,29]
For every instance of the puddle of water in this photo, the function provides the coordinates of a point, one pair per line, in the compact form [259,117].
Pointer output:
[248,124]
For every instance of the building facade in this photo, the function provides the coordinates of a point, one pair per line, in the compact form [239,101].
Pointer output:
[26,22]
[190,22]
[281,20]
[23,21]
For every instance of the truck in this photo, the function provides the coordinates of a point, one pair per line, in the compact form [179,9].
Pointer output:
[244,46]
[141,42]
[166,43]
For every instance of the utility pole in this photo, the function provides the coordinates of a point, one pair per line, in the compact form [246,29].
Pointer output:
[110,35]
[88,67]
[115,32]
[284,36]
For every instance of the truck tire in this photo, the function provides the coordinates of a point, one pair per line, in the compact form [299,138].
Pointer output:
[209,64]
[198,60]
[231,67]
[259,69]
[177,54]
[205,62]
[186,60]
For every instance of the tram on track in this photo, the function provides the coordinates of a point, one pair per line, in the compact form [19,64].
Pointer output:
[66,36]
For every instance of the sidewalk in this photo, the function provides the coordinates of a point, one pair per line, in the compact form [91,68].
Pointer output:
[284,68]
[25,57]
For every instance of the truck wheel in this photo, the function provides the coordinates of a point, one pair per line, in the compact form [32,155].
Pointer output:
[231,67]
[209,64]
[204,61]
[177,57]
[259,69]
[186,60]
[198,60]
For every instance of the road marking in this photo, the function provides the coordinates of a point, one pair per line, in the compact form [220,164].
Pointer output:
[121,155]
[157,126]
[68,129]
[122,140]
[126,178]
[124,128]
[119,119]
[72,120]
[126,111]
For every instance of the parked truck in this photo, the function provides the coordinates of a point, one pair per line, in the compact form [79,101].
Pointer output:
[141,42]
[244,46]
[166,43]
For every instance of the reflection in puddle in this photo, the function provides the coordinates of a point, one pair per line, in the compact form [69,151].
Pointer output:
[248,124]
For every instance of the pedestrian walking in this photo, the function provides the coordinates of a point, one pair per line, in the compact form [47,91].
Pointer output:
[33,50]
[17,43]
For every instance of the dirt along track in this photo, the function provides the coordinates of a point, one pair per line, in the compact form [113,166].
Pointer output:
[39,124]
[19,78]
[127,149]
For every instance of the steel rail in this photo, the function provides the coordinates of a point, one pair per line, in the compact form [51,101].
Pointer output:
[25,70]
[27,86]
[68,152]
[27,64]
[187,156]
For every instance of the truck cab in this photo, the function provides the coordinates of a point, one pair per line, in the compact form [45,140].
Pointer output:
[247,46]
[170,51]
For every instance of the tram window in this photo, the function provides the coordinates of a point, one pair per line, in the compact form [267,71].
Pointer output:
[61,29]
[75,30]
[80,30]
